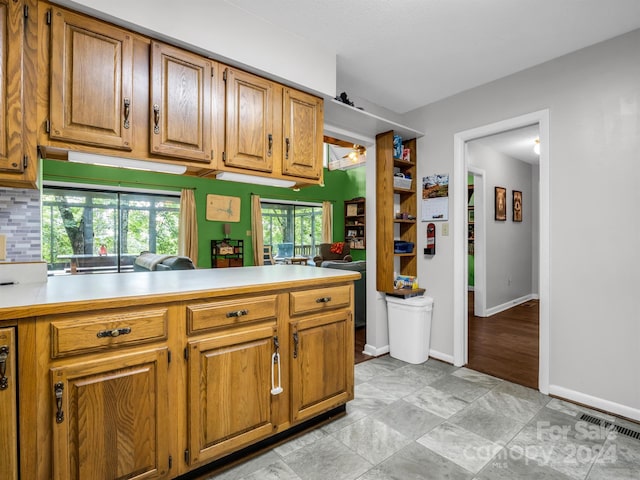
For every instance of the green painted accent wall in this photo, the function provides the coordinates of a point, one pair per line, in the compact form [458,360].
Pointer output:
[339,186]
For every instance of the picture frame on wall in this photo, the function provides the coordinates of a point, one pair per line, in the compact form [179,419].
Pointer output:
[517,206]
[500,204]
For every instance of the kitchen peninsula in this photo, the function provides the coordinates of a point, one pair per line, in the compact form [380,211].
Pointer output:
[154,374]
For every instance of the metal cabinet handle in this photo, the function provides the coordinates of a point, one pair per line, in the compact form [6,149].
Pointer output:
[156,118]
[286,150]
[4,355]
[127,110]
[270,139]
[237,313]
[58,388]
[116,332]
[295,344]
[323,300]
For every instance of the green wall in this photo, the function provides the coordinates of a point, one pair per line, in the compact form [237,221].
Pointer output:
[339,186]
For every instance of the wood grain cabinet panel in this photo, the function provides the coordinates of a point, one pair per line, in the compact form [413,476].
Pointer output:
[181,103]
[319,299]
[226,313]
[11,106]
[8,407]
[248,121]
[303,127]
[110,418]
[229,388]
[91,81]
[321,363]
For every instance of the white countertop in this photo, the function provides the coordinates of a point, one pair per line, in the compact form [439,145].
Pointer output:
[25,299]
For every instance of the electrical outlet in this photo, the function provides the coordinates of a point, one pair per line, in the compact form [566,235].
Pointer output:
[248,233]
[3,247]
[445,229]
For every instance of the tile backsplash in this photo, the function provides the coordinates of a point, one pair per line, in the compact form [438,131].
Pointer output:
[20,223]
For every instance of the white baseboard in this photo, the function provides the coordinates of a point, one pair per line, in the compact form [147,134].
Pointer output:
[595,402]
[375,352]
[509,304]
[441,356]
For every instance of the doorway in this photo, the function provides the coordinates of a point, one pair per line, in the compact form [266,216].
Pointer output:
[461,167]
[503,311]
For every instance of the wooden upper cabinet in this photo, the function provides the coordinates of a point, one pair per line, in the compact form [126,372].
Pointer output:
[110,418]
[180,103]
[91,81]
[302,134]
[248,121]
[11,35]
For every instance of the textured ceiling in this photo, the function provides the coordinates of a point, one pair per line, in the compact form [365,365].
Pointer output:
[402,55]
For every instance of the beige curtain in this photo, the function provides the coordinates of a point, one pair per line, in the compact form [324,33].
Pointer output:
[188,230]
[327,223]
[256,231]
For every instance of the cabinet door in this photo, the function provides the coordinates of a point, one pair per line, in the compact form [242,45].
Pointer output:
[91,81]
[110,418]
[249,121]
[180,103]
[11,27]
[322,363]
[8,412]
[303,124]
[229,392]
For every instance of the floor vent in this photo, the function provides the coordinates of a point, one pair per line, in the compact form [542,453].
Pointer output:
[604,423]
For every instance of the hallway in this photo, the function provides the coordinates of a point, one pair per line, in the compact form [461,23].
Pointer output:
[505,345]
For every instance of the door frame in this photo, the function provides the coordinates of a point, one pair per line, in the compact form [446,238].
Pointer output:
[460,267]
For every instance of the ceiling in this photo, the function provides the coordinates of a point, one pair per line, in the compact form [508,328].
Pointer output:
[516,143]
[402,55]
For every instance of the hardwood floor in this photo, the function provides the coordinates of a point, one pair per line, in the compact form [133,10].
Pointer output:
[361,339]
[505,345]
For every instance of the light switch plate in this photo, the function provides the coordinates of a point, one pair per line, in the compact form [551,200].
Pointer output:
[445,229]
[3,247]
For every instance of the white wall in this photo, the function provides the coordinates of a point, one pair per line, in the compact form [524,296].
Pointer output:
[593,97]
[226,33]
[509,252]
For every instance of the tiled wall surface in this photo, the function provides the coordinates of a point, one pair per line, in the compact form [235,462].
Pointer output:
[20,222]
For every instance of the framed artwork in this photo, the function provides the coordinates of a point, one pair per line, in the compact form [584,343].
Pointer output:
[517,206]
[221,208]
[501,204]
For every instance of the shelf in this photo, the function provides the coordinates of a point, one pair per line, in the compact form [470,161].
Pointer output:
[400,220]
[404,254]
[406,292]
[404,190]
[339,117]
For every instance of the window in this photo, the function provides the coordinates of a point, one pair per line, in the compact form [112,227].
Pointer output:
[91,231]
[292,229]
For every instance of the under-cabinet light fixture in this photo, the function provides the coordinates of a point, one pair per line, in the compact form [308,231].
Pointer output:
[120,162]
[241,177]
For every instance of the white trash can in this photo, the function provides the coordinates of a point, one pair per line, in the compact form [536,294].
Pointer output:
[409,328]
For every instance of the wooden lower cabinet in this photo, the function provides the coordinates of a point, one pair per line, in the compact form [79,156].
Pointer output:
[110,417]
[321,363]
[8,407]
[229,386]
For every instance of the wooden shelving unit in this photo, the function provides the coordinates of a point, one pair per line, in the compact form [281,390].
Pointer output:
[355,223]
[227,253]
[388,227]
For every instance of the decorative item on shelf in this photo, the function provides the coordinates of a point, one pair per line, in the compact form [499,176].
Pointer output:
[400,246]
[344,99]
[406,154]
[397,146]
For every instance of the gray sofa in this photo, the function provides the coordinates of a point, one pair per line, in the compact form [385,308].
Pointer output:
[360,287]
[152,262]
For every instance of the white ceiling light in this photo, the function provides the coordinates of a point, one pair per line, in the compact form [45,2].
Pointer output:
[107,161]
[536,146]
[240,177]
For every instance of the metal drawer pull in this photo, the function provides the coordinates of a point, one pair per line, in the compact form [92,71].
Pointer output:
[116,332]
[58,388]
[127,106]
[156,118]
[323,300]
[4,355]
[296,339]
[237,313]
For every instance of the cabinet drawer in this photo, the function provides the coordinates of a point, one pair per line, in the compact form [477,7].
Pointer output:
[319,299]
[90,333]
[205,316]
